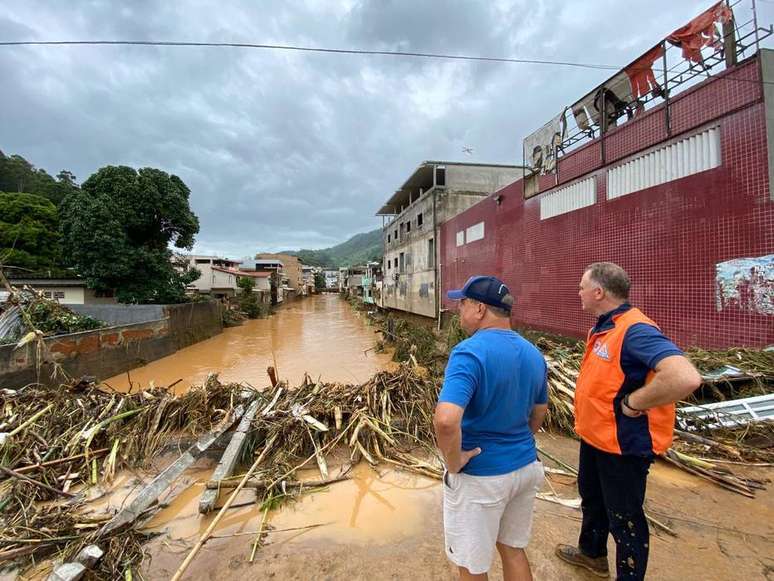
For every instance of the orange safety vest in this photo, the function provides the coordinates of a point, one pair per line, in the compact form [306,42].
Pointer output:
[601,387]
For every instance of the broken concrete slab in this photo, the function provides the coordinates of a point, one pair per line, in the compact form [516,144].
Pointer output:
[89,556]
[153,490]
[229,460]
[67,572]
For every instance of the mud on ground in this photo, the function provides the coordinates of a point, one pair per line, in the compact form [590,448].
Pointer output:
[387,525]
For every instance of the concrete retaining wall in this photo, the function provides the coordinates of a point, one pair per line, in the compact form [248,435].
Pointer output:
[121,314]
[107,352]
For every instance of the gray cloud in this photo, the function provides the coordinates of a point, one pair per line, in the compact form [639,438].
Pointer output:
[284,149]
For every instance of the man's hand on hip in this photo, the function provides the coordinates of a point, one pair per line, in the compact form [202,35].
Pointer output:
[465,456]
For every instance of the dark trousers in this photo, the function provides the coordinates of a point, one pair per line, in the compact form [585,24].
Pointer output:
[612,490]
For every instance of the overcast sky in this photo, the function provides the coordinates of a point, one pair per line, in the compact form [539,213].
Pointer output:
[287,149]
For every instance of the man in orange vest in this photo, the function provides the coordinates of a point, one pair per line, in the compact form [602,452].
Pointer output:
[630,378]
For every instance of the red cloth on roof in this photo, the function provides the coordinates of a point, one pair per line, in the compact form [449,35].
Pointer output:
[701,32]
[640,72]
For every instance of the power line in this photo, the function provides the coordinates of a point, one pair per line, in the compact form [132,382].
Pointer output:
[288,47]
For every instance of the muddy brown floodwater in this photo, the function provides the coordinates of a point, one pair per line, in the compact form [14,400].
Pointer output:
[320,335]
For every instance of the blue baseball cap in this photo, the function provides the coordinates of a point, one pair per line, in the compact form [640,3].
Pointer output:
[489,290]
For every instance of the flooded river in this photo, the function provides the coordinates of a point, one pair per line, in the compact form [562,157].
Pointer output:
[320,335]
[324,337]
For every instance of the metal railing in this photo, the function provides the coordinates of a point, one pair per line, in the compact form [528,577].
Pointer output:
[674,74]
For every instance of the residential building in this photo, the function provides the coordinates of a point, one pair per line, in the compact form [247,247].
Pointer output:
[67,290]
[372,279]
[261,281]
[343,274]
[434,193]
[353,281]
[218,275]
[331,279]
[277,278]
[291,267]
[679,195]
[308,273]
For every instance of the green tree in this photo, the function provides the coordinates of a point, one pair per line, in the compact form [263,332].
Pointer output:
[29,235]
[18,175]
[248,301]
[319,281]
[117,230]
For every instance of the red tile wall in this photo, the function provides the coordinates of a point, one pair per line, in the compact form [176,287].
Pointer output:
[579,162]
[669,238]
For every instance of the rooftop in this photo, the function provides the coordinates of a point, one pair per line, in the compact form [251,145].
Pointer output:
[423,179]
[251,274]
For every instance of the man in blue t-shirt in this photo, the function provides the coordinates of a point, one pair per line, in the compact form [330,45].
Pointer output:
[493,400]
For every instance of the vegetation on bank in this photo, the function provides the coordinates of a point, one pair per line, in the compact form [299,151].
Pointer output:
[117,230]
[29,231]
[18,175]
[248,300]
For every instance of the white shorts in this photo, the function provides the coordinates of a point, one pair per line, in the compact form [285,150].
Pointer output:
[480,511]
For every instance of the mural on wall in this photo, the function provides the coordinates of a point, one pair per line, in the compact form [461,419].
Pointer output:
[746,284]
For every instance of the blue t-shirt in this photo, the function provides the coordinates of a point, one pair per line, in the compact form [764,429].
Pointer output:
[497,376]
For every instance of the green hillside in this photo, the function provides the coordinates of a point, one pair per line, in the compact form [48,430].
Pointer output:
[359,249]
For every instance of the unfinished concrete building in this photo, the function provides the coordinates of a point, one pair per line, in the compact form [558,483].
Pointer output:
[434,193]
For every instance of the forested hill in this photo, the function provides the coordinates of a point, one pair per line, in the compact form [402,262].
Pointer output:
[359,249]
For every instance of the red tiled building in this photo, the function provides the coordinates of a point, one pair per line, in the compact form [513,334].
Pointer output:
[679,196]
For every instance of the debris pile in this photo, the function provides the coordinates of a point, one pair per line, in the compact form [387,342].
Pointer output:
[56,441]
[712,447]
[80,437]
[27,311]
[386,419]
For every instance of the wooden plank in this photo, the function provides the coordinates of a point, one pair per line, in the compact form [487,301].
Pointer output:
[153,490]
[229,459]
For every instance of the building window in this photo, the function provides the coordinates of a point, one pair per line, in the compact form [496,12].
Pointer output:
[47,294]
[475,232]
[395,236]
[395,263]
[59,294]
[388,238]
[408,226]
[440,176]
[203,261]
[431,253]
[419,220]
[402,262]
[460,237]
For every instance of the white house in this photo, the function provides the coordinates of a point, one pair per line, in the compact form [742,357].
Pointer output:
[218,275]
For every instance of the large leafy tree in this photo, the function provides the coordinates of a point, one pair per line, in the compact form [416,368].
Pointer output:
[118,229]
[29,236]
